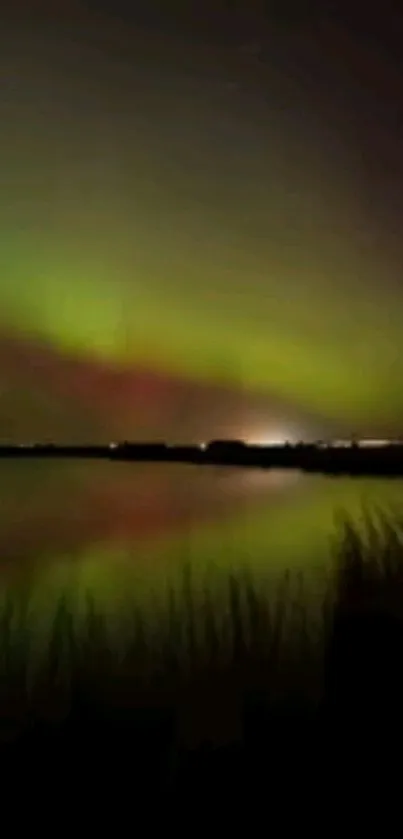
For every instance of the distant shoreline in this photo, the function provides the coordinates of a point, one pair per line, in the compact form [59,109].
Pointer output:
[381,460]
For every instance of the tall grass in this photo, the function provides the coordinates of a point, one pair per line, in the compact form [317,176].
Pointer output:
[208,662]
[364,638]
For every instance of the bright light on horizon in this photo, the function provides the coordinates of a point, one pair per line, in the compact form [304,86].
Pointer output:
[267,441]
[275,438]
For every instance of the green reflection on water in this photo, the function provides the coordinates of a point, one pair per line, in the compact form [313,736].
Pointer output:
[265,523]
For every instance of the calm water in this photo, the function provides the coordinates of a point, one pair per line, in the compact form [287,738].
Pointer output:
[123,531]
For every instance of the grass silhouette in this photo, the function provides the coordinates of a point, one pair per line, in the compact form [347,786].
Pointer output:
[250,670]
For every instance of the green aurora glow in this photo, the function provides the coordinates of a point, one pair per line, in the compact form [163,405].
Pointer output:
[150,218]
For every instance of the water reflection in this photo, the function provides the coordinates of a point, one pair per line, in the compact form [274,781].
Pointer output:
[50,508]
[121,530]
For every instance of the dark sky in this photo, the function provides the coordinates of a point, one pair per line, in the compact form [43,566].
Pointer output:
[200,213]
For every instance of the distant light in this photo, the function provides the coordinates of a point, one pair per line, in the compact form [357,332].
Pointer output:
[113,445]
[268,441]
[275,434]
[370,442]
[203,446]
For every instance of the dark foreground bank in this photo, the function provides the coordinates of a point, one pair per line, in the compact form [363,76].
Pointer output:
[252,694]
[350,458]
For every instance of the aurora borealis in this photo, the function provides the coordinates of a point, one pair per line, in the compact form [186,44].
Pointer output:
[200,225]
[199,235]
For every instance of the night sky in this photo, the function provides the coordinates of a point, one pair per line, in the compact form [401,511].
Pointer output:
[201,216]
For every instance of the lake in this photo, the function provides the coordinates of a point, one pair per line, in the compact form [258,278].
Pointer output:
[124,531]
